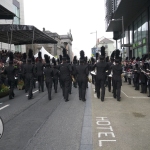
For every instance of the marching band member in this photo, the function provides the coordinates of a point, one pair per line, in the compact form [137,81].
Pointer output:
[117,81]
[56,75]
[101,68]
[10,71]
[29,72]
[65,72]
[82,76]
[39,72]
[48,73]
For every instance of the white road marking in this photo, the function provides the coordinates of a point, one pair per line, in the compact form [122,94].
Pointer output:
[132,96]
[34,92]
[4,107]
[95,96]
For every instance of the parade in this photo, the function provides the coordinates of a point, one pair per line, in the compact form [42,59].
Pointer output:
[74,75]
[103,71]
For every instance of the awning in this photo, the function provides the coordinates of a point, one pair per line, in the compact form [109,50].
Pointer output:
[5,13]
[23,34]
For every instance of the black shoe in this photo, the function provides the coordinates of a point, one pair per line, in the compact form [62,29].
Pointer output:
[11,98]
[84,100]
[79,98]
[66,100]
[29,98]
[98,97]
[118,99]
[114,97]
[102,100]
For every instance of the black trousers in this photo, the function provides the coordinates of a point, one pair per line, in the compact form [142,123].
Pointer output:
[55,81]
[49,88]
[65,87]
[109,84]
[41,83]
[116,89]
[11,83]
[29,85]
[100,85]
[82,89]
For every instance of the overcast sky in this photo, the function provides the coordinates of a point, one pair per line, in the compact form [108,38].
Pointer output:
[81,16]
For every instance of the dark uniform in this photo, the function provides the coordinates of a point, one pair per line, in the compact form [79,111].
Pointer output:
[40,76]
[48,73]
[55,75]
[65,75]
[117,81]
[29,71]
[82,79]
[74,71]
[11,72]
[101,68]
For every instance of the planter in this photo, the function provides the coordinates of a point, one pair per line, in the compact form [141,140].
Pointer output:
[3,94]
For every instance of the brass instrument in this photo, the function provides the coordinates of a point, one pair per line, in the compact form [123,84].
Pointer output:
[147,74]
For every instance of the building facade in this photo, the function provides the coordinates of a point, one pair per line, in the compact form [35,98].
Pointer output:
[108,44]
[130,23]
[17,7]
[63,41]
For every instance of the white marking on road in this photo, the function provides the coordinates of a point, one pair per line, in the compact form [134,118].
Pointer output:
[132,96]
[95,96]
[34,92]
[4,107]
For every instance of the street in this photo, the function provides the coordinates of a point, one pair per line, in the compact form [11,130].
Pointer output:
[40,124]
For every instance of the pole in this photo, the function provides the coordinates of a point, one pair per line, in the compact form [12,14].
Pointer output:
[116,44]
[96,39]
[11,34]
[33,40]
[123,35]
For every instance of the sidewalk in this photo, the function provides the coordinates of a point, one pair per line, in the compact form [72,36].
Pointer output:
[121,125]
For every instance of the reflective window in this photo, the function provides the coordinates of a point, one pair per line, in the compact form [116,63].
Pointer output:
[140,52]
[17,13]
[144,50]
[144,25]
[135,31]
[135,53]
[130,34]
[139,29]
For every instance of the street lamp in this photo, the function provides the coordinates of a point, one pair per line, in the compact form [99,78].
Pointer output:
[96,38]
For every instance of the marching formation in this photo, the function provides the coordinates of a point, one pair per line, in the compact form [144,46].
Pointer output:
[51,72]
[137,71]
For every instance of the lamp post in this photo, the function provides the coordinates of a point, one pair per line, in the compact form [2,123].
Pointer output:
[96,38]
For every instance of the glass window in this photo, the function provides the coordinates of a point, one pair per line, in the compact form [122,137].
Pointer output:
[130,34]
[144,50]
[139,52]
[17,13]
[144,25]
[139,28]
[135,53]
[135,31]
